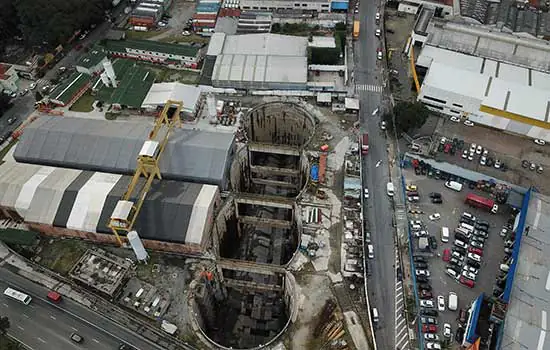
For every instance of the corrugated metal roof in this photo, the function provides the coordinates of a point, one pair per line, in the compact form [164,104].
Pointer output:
[173,211]
[265,44]
[111,146]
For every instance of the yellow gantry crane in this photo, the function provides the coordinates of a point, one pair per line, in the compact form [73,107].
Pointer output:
[126,211]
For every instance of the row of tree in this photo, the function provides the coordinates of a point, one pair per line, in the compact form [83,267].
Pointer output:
[47,23]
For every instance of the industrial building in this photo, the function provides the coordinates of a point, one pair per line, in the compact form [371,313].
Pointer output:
[259,61]
[8,77]
[501,84]
[111,146]
[272,5]
[147,13]
[71,89]
[174,55]
[161,92]
[176,216]
[123,84]
[92,62]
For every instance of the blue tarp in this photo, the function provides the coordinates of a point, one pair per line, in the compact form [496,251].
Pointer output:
[314,173]
[207,7]
[340,5]
[471,336]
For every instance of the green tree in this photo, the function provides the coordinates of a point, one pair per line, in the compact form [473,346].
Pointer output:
[407,116]
[276,28]
[9,22]
[4,103]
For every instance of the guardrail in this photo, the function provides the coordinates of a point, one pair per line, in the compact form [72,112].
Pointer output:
[365,254]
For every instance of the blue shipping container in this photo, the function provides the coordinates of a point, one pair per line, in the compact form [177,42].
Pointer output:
[314,172]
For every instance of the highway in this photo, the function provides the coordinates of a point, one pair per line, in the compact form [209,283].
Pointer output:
[378,210]
[44,325]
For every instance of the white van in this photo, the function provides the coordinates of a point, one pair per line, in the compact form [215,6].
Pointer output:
[504,267]
[444,234]
[453,185]
[390,189]
[375,317]
[370,249]
[453,301]
[467,227]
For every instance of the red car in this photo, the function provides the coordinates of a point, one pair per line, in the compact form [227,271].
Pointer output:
[447,148]
[424,294]
[467,282]
[429,328]
[446,254]
[476,251]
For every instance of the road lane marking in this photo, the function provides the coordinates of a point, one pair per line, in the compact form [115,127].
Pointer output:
[21,328]
[97,341]
[31,306]
[74,329]
[25,315]
[41,340]
[52,317]
[6,305]
[27,347]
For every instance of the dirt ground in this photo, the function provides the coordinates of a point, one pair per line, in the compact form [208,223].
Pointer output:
[510,149]
[181,11]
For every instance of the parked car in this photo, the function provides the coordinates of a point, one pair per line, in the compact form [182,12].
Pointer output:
[460,244]
[452,273]
[446,255]
[469,275]
[428,320]
[474,257]
[423,273]
[540,142]
[466,282]
[428,312]
[440,303]
[447,332]
[471,269]
[427,303]
[437,200]
[476,244]
[419,258]
[12,120]
[435,195]
[455,262]
[476,251]
[433,242]
[424,294]
[429,328]
[422,278]
[430,336]
[434,216]
[424,286]
[433,346]
[468,123]
[421,265]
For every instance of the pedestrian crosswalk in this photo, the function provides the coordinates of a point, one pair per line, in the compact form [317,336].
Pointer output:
[401,327]
[368,87]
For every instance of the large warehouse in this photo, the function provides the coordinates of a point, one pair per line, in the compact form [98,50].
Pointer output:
[176,216]
[110,146]
[487,91]
[259,61]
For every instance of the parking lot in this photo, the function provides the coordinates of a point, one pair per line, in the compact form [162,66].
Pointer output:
[452,207]
[511,150]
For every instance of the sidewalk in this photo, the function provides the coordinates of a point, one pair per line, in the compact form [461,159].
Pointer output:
[102,307]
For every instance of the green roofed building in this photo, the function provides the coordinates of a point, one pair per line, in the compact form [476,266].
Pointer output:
[177,55]
[71,89]
[132,85]
[92,62]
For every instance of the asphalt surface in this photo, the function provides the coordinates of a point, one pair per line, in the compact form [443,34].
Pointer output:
[379,210]
[44,325]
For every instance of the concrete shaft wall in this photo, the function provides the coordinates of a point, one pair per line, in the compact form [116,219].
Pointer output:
[279,123]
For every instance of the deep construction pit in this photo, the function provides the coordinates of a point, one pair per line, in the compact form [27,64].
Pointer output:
[257,231]
[268,174]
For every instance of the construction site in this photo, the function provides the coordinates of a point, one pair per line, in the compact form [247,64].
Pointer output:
[237,197]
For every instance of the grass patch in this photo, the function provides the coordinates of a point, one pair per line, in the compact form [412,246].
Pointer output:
[61,255]
[132,34]
[83,104]
[165,75]
[176,39]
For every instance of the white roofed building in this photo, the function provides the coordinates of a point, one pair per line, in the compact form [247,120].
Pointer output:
[162,92]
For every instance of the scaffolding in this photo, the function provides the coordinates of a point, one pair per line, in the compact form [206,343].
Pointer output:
[126,210]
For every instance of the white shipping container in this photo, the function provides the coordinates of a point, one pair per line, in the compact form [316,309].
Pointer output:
[219,106]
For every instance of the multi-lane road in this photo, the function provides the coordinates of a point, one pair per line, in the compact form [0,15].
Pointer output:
[44,325]
[378,209]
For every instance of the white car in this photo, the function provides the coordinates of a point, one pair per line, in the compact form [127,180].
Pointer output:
[378,32]
[447,332]
[474,257]
[435,216]
[470,269]
[366,193]
[416,222]
[162,24]
[461,244]
[423,273]
[427,303]
[469,275]
[383,125]
[540,142]
[433,346]
[479,149]
[431,336]
[468,123]
[455,119]
[186,33]
[497,164]
[422,233]
[471,156]
[379,55]
[377,16]
[494,210]
[440,303]
[485,153]
[32,86]
[465,154]
[473,147]
[483,160]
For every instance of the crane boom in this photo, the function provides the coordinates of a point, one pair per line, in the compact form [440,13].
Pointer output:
[126,211]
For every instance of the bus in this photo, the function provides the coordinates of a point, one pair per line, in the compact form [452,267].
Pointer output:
[356,25]
[17,295]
